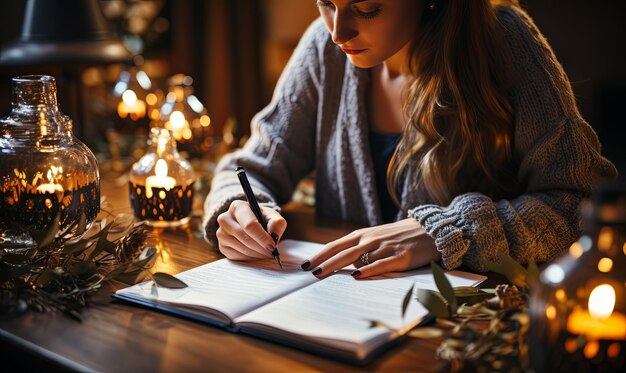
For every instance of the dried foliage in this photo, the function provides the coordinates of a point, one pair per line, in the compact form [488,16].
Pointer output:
[59,274]
[488,325]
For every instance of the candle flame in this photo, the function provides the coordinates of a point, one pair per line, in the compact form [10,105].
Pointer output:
[161,168]
[177,119]
[129,97]
[602,301]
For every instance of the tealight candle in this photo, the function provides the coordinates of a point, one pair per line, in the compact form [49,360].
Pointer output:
[131,106]
[600,321]
[160,179]
[49,188]
[581,322]
[161,192]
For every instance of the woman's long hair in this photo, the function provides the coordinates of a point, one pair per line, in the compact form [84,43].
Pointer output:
[459,119]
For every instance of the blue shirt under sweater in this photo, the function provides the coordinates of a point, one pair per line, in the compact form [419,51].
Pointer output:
[382,147]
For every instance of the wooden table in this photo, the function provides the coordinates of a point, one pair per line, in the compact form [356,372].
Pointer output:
[119,337]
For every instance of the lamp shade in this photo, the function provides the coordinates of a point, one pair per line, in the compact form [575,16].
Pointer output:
[64,31]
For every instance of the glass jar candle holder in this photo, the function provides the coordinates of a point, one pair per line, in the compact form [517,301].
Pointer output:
[578,310]
[187,118]
[48,178]
[161,183]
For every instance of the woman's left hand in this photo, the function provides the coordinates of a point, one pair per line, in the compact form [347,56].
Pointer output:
[393,247]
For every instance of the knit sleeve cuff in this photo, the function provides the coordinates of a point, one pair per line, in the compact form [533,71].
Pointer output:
[467,231]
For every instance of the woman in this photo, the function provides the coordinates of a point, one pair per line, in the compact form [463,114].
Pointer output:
[447,127]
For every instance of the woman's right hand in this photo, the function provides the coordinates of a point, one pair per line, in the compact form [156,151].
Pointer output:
[241,236]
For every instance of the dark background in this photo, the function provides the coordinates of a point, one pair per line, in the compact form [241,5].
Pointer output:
[234,50]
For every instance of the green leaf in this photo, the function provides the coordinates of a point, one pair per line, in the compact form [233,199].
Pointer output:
[45,238]
[82,224]
[120,226]
[79,224]
[434,302]
[47,275]
[470,295]
[407,299]
[82,268]
[146,258]
[168,281]
[75,248]
[444,286]
[508,267]
[425,333]
[102,242]
[532,274]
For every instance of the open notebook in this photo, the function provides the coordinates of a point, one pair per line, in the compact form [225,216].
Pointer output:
[330,316]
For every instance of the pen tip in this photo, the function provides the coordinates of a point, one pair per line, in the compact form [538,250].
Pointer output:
[277,258]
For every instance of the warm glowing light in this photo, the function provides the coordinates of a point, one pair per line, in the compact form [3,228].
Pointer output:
[155,114]
[131,106]
[177,119]
[591,349]
[42,124]
[151,99]
[163,140]
[129,97]
[187,133]
[161,168]
[554,273]
[605,265]
[602,301]
[599,322]
[50,184]
[550,312]
[576,250]
[613,351]
[205,121]
[49,188]
[160,180]
[571,345]
[605,239]
[560,295]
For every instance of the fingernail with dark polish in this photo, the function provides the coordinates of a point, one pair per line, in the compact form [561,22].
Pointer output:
[356,273]
[317,272]
[305,265]
[274,237]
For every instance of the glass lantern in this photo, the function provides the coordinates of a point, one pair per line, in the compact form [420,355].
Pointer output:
[161,183]
[187,118]
[48,178]
[578,311]
[132,93]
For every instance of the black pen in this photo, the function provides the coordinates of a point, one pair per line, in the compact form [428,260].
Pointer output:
[254,206]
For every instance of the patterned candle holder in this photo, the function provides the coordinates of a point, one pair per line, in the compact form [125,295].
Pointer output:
[49,180]
[161,183]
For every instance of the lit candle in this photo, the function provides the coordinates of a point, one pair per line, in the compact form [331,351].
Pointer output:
[131,105]
[160,179]
[49,188]
[179,126]
[599,322]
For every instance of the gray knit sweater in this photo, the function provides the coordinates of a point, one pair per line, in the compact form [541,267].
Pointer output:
[317,120]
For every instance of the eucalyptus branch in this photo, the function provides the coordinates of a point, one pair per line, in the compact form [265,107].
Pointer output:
[61,273]
[500,346]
